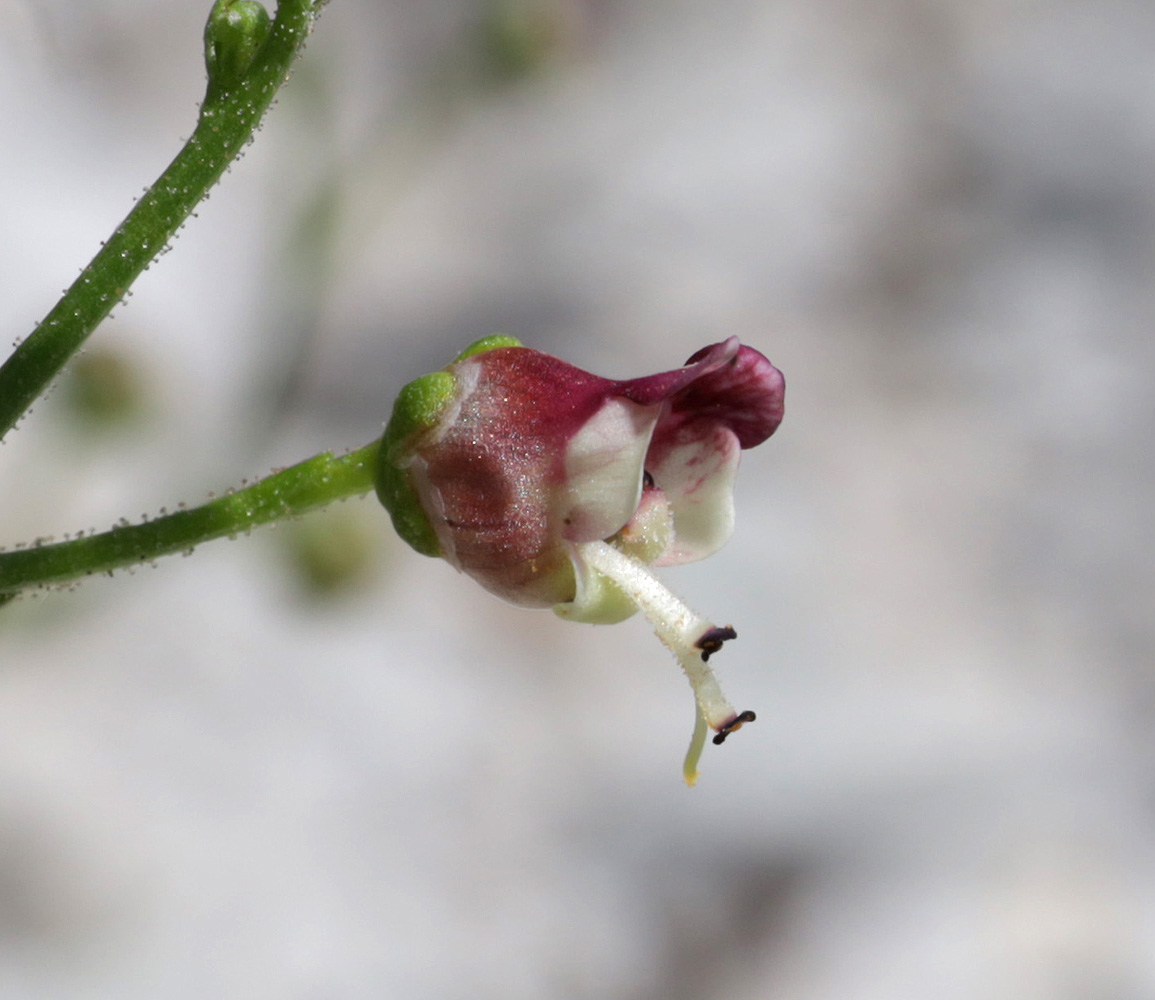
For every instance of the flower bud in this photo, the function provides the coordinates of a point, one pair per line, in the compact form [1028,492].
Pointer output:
[234,34]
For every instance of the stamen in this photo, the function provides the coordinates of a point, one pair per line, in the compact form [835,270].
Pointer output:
[733,726]
[712,641]
[689,636]
[694,753]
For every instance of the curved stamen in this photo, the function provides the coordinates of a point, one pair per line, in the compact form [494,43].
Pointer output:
[689,636]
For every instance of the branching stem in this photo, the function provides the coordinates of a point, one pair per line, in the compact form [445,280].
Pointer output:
[235,101]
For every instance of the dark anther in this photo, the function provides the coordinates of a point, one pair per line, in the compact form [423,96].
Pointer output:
[711,641]
[733,726]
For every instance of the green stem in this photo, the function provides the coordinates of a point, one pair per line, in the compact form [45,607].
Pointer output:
[245,72]
[307,486]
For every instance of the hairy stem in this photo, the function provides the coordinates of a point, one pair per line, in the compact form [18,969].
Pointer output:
[247,63]
[307,486]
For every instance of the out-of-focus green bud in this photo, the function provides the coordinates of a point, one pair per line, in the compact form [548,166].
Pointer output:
[234,34]
[333,552]
[520,36]
[103,387]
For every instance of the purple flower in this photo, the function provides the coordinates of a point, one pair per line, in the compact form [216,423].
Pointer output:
[555,488]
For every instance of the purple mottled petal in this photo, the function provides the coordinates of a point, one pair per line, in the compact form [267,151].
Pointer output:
[696,470]
[734,402]
[494,480]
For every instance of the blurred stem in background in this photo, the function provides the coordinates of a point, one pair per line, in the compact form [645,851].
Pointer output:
[509,44]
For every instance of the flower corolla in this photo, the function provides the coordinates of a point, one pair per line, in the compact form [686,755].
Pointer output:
[553,487]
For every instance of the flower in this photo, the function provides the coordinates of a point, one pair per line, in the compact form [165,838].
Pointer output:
[555,488]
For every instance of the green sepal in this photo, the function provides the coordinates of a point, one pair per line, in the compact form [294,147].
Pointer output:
[487,344]
[234,34]
[599,601]
[417,410]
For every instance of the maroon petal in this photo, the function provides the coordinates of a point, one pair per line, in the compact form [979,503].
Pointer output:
[653,389]
[746,393]
[734,402]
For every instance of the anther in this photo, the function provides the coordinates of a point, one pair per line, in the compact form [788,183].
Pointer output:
[711,640]
[733,726]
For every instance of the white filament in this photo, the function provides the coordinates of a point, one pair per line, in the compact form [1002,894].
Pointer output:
[678,627]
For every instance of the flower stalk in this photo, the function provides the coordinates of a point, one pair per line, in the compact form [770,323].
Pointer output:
[299,489]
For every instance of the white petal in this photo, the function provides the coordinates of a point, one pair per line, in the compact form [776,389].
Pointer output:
[604,463]
[697,477]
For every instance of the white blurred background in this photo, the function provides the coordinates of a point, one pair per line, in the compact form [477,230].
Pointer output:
[312,764]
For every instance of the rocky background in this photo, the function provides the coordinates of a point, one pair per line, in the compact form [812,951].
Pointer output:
[312,764]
